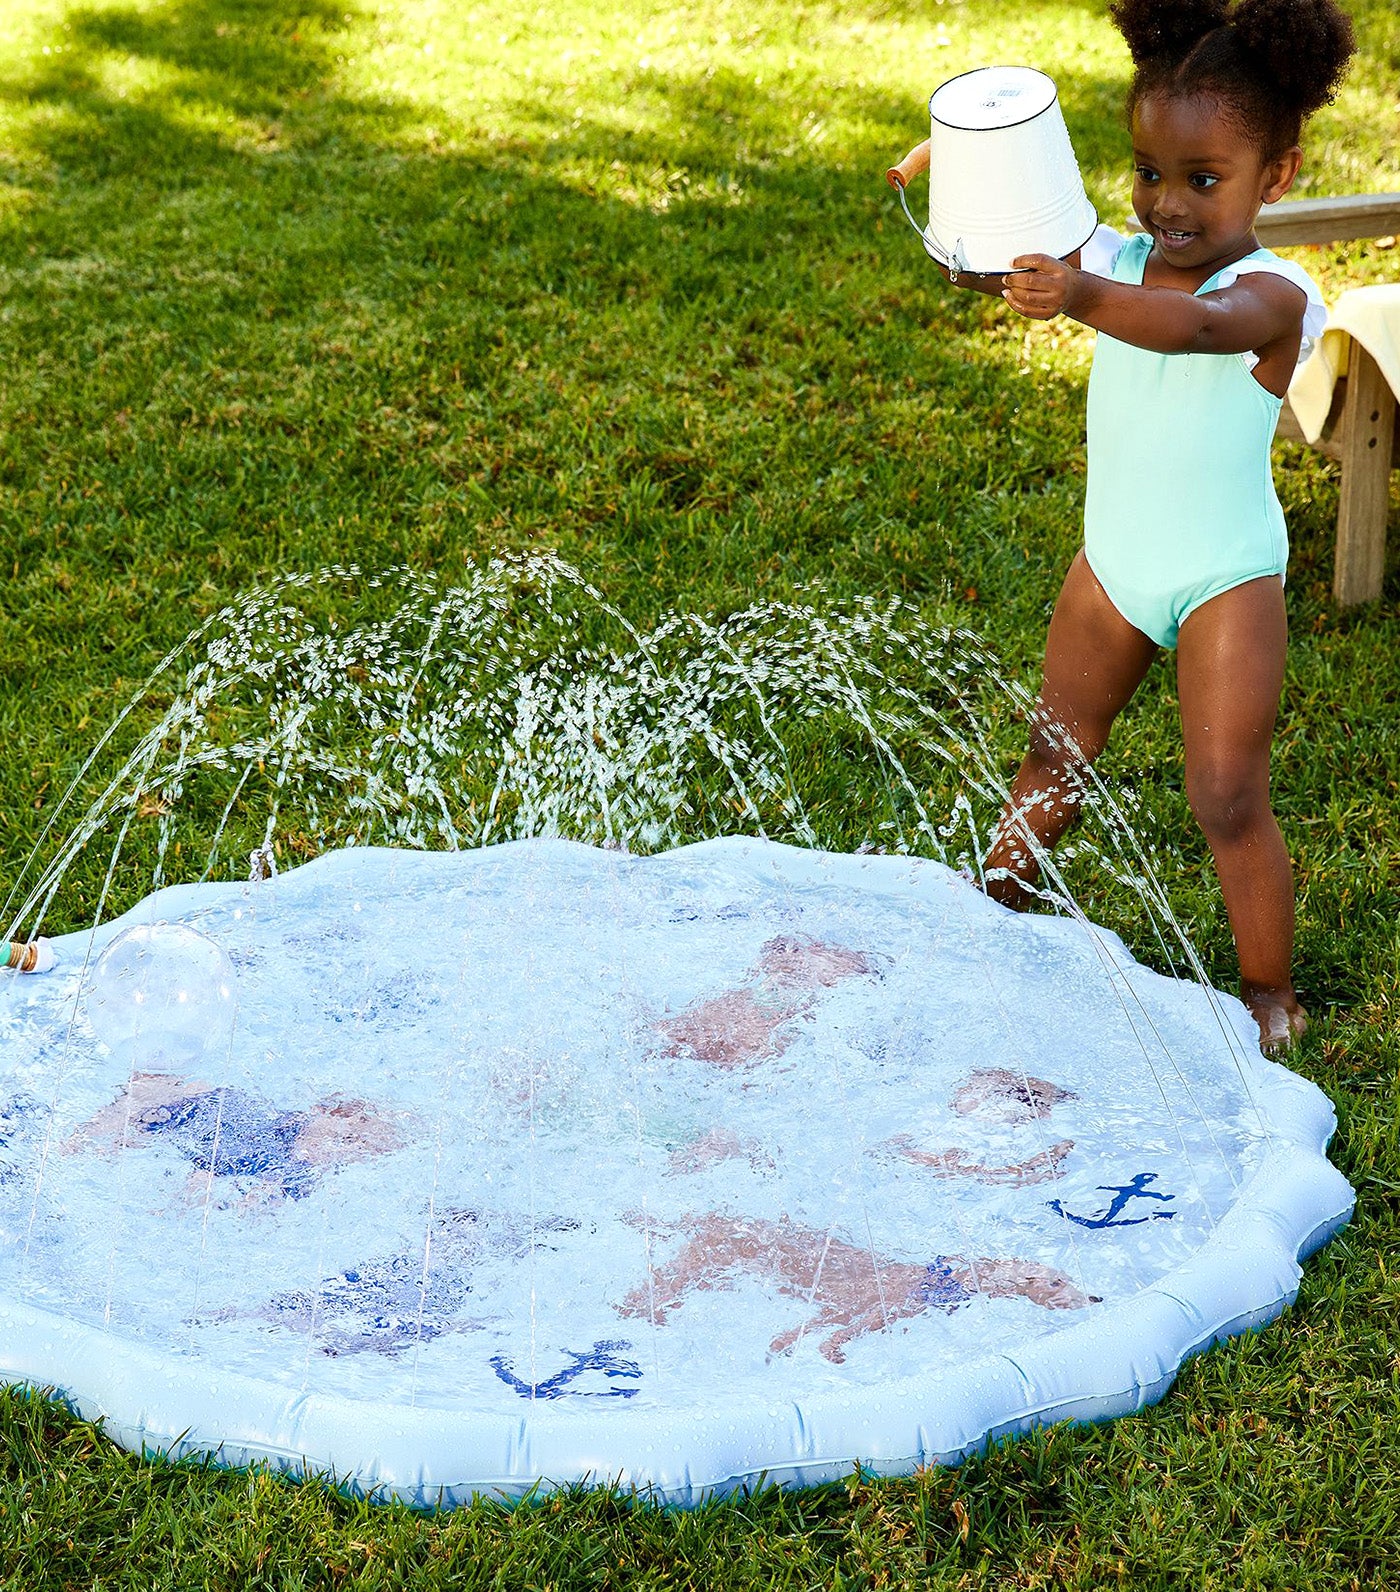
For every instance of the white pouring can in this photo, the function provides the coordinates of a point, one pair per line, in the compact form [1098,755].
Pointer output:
[1003,180]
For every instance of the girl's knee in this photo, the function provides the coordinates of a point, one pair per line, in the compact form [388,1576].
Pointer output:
[1229,804]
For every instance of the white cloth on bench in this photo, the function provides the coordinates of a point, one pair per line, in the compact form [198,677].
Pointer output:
[1372,316]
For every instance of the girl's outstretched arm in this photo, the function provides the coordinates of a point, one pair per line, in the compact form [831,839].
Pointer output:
[1255,311]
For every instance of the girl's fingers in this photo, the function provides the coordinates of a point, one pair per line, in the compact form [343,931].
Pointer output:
[1039,307]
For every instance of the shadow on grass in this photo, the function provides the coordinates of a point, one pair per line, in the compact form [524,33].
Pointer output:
[229,246]
[248,285]
[246,56]
[244,99]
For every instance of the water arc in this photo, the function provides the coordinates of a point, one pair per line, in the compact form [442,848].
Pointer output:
[490,1156]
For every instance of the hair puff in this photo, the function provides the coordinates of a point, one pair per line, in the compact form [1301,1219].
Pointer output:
[1154,29]
[1271,63]
[1301,46]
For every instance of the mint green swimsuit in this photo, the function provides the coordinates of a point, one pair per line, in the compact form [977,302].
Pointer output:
[1180,504]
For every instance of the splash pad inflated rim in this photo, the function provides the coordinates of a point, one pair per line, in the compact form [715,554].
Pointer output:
[1112,1359]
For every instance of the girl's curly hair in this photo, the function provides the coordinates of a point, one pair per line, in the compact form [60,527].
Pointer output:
[1270,63]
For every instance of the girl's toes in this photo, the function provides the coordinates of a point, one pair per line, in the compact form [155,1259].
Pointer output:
[1281,1024]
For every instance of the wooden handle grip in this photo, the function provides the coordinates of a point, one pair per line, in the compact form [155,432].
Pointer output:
[912,164]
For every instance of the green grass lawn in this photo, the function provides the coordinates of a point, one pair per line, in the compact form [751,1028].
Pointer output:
[288,282]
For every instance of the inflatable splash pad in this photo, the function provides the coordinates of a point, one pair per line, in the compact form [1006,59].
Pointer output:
[459,1173]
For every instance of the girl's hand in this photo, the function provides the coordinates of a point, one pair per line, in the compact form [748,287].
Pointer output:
[1043,286]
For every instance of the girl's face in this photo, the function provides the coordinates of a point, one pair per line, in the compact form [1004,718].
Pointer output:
[1198,182]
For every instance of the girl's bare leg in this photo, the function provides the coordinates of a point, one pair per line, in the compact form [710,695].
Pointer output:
[1094,661]
[1230,662]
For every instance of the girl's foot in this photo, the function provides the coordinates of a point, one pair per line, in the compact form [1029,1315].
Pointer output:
[1282,1020]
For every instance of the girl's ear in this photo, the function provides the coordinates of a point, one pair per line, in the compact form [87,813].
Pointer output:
[1279,174]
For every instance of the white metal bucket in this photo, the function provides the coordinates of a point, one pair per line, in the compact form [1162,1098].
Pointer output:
[1003,180]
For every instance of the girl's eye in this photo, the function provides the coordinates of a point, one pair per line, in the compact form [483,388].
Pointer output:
[1146,174]
[1202,179]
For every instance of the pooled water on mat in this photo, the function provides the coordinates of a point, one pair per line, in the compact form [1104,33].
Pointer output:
[508,1042]
[541,1126]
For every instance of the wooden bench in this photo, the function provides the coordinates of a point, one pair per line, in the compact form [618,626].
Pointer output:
[1363,426]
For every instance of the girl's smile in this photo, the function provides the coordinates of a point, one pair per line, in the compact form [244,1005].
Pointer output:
[1198,183]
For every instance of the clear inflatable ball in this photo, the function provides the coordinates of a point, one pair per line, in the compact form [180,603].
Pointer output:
[162,993]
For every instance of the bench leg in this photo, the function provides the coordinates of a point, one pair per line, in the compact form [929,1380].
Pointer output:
[1367,427]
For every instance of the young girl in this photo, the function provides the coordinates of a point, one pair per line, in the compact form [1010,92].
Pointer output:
[1184,542]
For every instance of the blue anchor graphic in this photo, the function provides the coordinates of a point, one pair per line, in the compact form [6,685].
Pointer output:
[602,1357]
[1122,1193]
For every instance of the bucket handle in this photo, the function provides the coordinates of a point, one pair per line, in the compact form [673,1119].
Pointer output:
[913,163]
[898,177]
